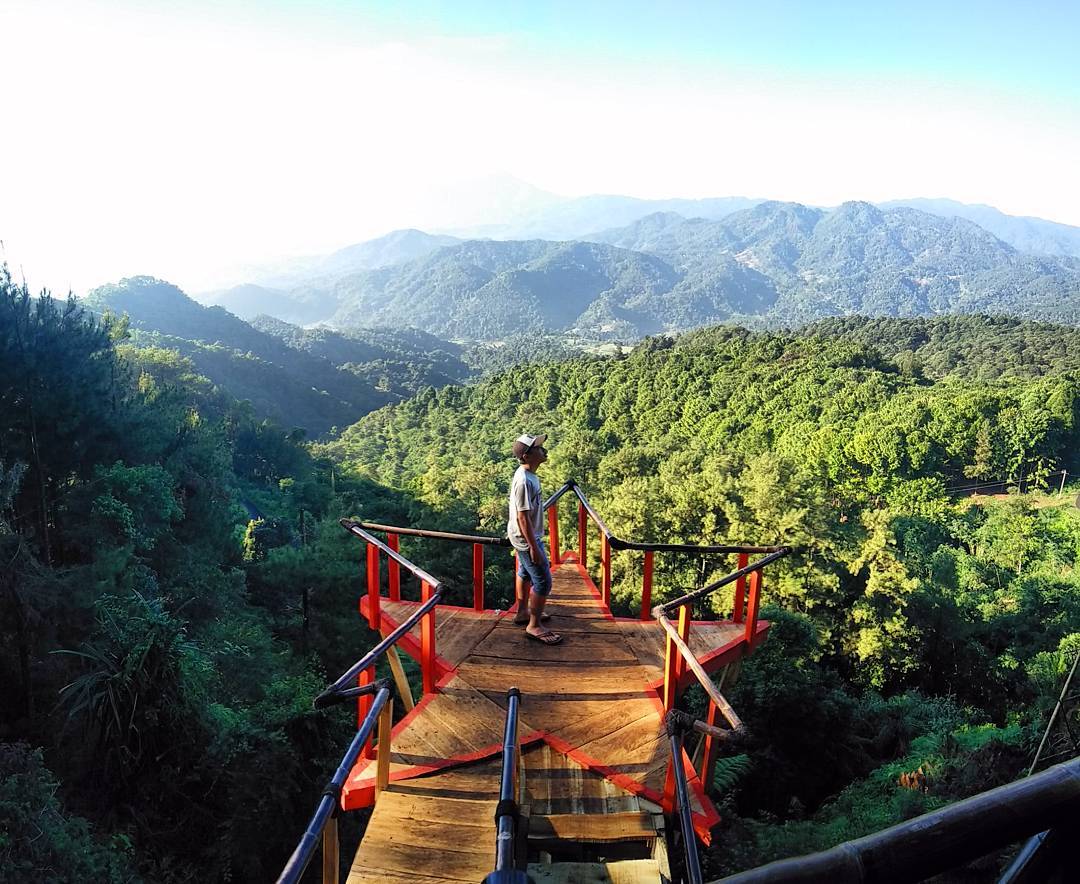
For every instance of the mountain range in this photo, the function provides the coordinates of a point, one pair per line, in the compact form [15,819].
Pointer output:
[315,379]
[773,263]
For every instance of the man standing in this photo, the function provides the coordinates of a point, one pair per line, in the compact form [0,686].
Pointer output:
[525,530]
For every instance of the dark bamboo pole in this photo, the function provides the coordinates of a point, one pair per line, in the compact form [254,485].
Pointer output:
[677,646]
[935,842]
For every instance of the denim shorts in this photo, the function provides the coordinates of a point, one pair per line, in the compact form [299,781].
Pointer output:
[539,573]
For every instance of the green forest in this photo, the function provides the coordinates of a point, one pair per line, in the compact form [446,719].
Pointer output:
[176,589]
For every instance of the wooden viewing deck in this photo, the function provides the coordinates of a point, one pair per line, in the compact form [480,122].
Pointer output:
[595,755]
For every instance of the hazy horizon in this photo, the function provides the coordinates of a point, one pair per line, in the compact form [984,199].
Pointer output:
[191,139]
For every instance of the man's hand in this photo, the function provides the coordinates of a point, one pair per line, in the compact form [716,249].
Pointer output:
[526,530]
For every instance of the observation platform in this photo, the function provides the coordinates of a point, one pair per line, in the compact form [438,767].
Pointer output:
[595,753]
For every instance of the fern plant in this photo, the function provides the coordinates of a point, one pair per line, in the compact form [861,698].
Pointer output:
[729,771]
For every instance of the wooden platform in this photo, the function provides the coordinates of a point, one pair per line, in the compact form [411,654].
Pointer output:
[440,827]
[591,718]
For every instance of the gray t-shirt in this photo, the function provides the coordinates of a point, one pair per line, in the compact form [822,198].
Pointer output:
[525,497]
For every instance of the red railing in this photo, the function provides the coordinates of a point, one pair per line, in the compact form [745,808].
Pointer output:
[376,549]
[678,658]
[609,542]
[747,580]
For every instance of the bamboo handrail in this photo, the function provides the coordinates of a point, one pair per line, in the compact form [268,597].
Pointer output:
[418,572]
[328,696]
[704,728]
[927,845]
[702,676]
[619,543]
[436,535]
[675,729]
[668,607]
[328,804]
[506,812]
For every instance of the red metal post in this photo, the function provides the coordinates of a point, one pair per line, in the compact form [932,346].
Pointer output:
[740,591]
[582,534]
[478,577]
[553,533]
[752,605]
[646,585]
[363,704]
[393,570]
[374,613]
[427,640]
[712,748]
[605,562]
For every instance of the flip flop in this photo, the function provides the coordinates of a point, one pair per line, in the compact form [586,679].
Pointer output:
[543,619]
[548,638]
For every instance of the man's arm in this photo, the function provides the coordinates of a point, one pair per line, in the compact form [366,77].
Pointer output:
[526,531]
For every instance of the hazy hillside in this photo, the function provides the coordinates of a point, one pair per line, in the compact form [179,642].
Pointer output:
[395,247]
[1024,234]
[777,263]
[399,362]
[288,376]
[575,218]
[250,300]
[488,289]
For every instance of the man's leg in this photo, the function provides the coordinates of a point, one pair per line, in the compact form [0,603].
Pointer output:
[523,592]
[536,610]
[540,574]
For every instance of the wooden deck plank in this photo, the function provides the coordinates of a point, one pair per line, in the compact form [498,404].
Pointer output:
[604,718]
[556,784]
[411,859]
[647,640]
[589,695]
[593,827]
[371,875]
[626,871]
[543,678]
[411,834]
[456,631]
[470,717]
[589,648]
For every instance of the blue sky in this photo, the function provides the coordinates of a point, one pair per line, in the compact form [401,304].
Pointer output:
[184,138]
[1007,46]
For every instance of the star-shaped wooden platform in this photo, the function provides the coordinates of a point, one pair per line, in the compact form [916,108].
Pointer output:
[595,697]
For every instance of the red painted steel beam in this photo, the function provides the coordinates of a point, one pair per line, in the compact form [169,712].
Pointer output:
[712,748]
[393,569]
[753,602]
[363,705]
[427,641]
[478,577]
[646,586]
[553,534]
[740,591]
[374,610]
